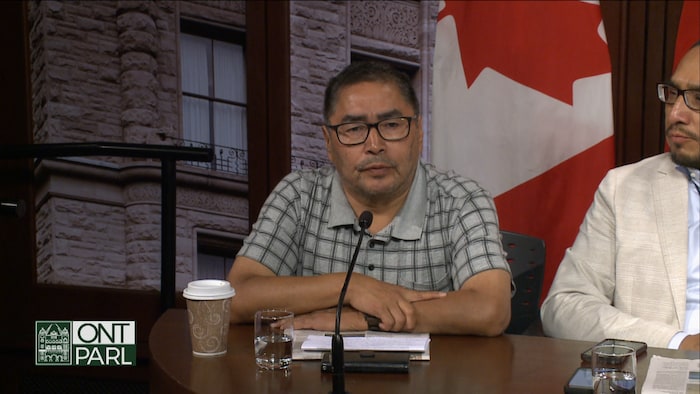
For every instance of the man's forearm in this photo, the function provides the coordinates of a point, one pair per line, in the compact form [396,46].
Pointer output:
[297,294]
[480,307]
[463,312]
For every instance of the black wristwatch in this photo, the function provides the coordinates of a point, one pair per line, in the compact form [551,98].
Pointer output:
[372,323]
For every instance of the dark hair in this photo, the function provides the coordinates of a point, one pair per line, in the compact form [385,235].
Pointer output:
[368,71]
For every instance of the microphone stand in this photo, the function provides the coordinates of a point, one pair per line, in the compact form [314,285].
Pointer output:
[337,346]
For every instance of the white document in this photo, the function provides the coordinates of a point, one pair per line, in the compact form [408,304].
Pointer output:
[672,376]
[310,344]
[393,343]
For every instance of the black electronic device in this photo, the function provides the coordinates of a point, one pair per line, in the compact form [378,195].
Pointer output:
[581,382]
[639,347]
[370,361]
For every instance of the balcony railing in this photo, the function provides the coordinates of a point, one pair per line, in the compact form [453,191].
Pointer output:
[226,159]
[235,161]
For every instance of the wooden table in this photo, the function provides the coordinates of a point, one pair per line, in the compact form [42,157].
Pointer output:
[459,364]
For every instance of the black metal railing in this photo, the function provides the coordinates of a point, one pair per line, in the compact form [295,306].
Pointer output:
[226,159]
[167,154]
[233,160]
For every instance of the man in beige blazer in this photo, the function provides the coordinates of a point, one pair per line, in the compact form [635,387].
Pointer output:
[627,274]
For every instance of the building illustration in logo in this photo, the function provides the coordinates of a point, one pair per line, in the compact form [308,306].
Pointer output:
[85,343]
[53,343]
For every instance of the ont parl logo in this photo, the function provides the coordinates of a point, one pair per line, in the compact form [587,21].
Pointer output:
[89,343]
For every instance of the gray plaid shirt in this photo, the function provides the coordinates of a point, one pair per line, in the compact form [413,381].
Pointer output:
[446,231]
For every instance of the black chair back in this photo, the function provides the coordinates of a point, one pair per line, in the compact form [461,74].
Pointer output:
[525,254]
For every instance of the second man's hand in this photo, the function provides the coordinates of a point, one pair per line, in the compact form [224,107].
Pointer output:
[391,304]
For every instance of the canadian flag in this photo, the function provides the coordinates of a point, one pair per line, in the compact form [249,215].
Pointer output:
[688,29]
[522,103]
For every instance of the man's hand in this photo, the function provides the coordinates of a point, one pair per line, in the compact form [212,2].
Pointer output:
[691,342]
[391,304]
[324,320]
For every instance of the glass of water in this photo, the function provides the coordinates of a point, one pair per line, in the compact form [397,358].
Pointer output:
[614,369]
[274,334]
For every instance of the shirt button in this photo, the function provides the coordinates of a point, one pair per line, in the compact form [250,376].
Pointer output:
[370,267]
[371,243]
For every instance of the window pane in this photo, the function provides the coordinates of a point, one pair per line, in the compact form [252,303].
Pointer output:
[212,267]
[230,126]
[195,119]
[195,58]
[229,72]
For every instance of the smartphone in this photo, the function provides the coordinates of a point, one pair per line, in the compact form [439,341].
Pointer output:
[581,382]
[639,347]
[370,361]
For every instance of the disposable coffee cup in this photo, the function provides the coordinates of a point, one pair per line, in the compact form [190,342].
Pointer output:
[208,311]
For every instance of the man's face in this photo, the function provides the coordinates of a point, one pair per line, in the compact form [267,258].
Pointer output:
[683,123]
[375,171]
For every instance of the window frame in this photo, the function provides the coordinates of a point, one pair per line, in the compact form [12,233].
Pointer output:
[212,33]
[215,245]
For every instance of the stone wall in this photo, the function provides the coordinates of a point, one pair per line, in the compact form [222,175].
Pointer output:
[108,71]
[324,34]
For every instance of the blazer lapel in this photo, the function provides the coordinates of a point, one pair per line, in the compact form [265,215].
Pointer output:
[670,191]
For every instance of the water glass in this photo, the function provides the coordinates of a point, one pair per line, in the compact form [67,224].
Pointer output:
[614,369]
[274,333]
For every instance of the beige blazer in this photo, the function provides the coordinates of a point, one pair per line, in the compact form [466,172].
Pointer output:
[625,275]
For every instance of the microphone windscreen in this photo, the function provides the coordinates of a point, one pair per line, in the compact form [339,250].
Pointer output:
[366,219]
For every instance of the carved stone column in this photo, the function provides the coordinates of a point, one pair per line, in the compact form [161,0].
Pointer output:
[138,50]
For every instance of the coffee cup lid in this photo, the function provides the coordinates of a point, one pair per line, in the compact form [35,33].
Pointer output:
[208,289]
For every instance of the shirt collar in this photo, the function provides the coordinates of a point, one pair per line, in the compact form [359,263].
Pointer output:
[692,174]
[341,211]
[408,223]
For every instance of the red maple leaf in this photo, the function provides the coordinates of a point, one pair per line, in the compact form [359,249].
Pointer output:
[545,45]
[688,31]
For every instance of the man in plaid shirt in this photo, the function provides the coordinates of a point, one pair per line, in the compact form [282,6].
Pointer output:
[432,259]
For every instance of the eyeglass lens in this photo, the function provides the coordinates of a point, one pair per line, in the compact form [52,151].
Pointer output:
[389,129]
[669,94]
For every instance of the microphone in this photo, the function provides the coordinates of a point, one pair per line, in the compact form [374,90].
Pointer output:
[337,347]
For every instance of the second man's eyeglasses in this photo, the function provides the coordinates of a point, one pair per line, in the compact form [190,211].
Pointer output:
[355,133]
[669,94]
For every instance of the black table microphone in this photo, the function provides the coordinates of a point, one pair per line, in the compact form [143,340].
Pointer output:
[337,347]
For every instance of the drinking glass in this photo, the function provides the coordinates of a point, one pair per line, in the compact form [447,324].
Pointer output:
[274,333]
[614,369]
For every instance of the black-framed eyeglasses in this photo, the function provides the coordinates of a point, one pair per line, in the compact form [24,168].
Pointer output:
[669,94]
[355,133]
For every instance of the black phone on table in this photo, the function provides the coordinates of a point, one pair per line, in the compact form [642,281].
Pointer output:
[581,382]
[370,361]
[639,347]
